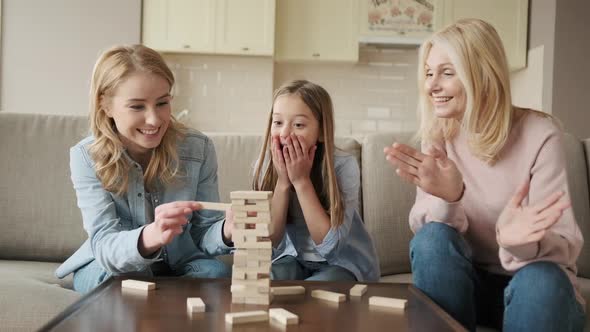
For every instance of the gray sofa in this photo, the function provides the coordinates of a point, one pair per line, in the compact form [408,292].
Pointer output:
[41,225]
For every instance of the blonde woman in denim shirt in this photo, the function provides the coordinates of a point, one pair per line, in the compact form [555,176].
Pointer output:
[138,177]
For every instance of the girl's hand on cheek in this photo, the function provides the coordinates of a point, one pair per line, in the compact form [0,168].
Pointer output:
[279,162]
[299,159]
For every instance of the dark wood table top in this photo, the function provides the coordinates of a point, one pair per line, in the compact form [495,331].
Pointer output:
[110,308]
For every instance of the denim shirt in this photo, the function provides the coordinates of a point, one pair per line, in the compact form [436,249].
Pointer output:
[349,245]
[114,223]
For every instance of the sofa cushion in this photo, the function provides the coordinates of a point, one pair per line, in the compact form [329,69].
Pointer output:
[579,179]
[30,295]
[38,213]
[387,203]
[577,173]
[43,272]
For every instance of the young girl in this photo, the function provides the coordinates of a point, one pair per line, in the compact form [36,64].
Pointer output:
[137,179]
[317,232]
[496,241]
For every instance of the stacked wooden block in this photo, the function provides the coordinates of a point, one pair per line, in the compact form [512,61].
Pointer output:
[251,268]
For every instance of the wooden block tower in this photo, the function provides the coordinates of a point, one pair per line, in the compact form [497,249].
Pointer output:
[251,269]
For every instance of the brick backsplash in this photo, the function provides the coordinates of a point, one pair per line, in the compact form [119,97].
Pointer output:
[234,93]
[378,93]
[222,93]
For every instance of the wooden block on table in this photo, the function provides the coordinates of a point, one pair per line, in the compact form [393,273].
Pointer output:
[263,300]
[283,316]
[215,206]
[388,302]
[253,245]
[238,202]
[254,254]
[255,283]
[251,208]
[250,194]
[255,290]
[252,226]
[252,217]
[246,317]
[195,304]
[328,296]
[358,290]
[238,299]
[137,284]
[287,290]
[251,202]
[250,232]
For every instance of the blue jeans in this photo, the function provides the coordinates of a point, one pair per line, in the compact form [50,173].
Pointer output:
[539,297]
[92,274]
[291,268]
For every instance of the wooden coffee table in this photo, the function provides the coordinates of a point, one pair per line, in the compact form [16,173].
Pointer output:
[110,308]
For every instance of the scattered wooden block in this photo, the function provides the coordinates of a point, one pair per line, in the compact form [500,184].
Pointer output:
[263,300]
[388,302]
[137,284]
[195,304]
[287,290]
[250,195]
[328,296]
[283,316]
[215,206]
[246,317]
[358,290]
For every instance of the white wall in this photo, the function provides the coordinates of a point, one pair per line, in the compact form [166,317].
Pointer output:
[49,49]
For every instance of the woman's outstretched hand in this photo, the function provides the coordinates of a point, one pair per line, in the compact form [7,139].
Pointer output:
[169,220]
[519,224]
[432,172]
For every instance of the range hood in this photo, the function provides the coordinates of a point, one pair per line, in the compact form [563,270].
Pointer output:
[391,41]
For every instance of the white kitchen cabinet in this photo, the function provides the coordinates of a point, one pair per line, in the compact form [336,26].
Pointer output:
[179,25]
[209,26]
[317,30]
[245,27]
[509,17]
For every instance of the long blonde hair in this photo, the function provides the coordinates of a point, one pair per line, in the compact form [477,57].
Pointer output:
[476,51]
[107,150]
[323,173]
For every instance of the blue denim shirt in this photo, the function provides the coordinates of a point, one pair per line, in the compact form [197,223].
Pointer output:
[349,245]
[114,223]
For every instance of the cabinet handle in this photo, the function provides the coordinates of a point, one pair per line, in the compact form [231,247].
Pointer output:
[245,48]
[315,55]
[186,46]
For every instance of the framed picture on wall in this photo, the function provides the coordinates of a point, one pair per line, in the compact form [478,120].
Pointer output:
[406,20]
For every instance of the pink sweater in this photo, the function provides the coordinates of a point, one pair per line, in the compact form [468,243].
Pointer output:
[534,150]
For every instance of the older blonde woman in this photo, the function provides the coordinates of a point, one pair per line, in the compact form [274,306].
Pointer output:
[496,241]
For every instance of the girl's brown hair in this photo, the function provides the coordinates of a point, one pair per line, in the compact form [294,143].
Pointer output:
[323,173]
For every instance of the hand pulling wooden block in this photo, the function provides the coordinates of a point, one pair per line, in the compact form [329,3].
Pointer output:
[246,317]
[215,206]
[195,304]
[388,302]
[358,290]
[283,316]
[136,284]
[328,296]
[287,290]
